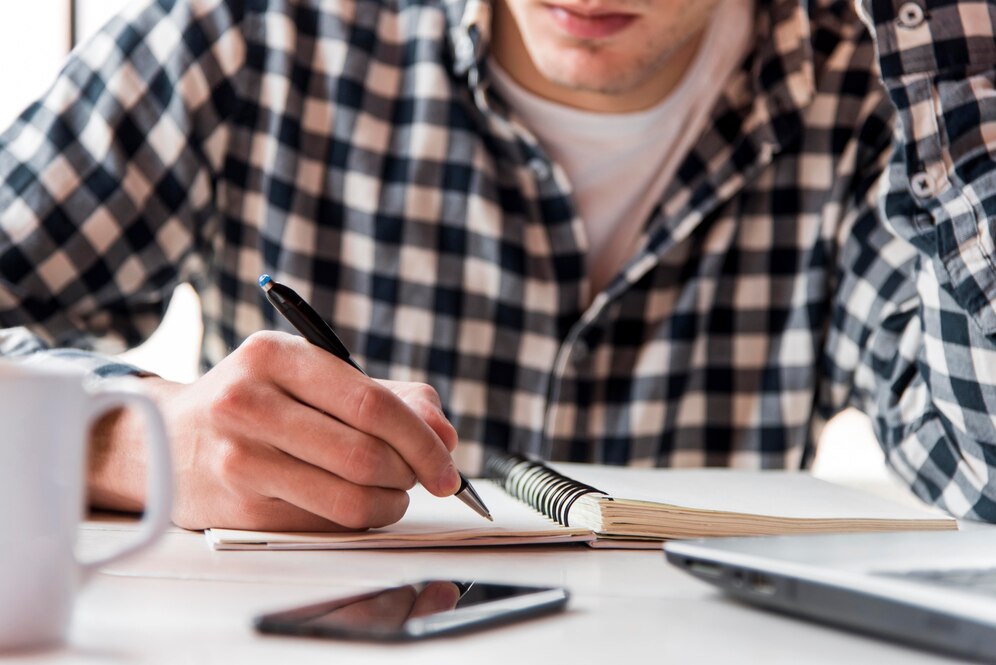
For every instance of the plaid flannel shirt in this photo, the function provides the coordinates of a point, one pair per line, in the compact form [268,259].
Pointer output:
[815,250]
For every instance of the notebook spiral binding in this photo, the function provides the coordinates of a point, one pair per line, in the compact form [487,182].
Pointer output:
[537,485]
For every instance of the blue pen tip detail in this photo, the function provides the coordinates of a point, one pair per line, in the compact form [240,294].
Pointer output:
[264,279]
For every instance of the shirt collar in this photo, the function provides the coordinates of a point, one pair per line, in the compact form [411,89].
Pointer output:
[782,71]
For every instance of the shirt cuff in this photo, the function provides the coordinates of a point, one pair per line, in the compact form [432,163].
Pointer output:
[20,345]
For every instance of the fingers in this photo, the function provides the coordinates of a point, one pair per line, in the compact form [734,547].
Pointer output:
[424,401]
[282,435]
[268,514]
[373,408]
[321,440]
[273,474]
[318,379]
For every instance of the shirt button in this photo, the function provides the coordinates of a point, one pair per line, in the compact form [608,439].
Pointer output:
[910,15]
[539,168]
[922,184]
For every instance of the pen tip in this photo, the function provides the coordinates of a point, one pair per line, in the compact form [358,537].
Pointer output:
[469,496]
[264,279]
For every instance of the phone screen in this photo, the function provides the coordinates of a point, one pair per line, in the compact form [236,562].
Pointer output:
[414,611]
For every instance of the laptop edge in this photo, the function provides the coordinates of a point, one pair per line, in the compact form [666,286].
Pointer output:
[892,608]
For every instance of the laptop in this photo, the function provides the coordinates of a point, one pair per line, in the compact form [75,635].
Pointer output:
[928,589]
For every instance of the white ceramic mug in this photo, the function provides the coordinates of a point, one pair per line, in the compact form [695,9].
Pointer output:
[45,418]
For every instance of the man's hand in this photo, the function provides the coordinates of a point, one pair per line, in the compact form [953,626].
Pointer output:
[282,435]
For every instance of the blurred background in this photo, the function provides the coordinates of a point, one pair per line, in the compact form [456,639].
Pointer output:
[36,36]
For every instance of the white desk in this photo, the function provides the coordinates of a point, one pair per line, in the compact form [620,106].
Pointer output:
[182,603]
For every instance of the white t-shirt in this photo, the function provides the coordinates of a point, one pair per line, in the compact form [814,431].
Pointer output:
[619,164]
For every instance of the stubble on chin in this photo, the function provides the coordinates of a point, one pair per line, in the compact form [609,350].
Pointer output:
[596,68]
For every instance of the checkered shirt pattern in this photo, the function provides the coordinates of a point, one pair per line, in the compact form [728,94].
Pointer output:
[816,249]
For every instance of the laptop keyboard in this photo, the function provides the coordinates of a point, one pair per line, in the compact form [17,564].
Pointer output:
[978,580]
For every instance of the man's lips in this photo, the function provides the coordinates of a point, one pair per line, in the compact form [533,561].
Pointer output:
[582,24]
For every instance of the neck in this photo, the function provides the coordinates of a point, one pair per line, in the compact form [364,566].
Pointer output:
[511,53]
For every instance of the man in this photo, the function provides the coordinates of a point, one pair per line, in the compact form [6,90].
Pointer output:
[629,231]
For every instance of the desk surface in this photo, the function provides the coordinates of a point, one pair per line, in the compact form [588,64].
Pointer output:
[183,603]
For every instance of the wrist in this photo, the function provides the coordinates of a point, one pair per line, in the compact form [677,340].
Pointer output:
[116,469]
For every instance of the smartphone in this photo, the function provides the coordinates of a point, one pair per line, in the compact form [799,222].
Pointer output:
[416,611]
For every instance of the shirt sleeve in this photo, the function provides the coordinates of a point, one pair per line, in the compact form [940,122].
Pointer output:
[106,182]
[920,306]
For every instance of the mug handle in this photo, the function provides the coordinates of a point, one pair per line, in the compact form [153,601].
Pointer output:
[125,393]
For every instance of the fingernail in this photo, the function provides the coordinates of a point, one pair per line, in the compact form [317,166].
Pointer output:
[450,480]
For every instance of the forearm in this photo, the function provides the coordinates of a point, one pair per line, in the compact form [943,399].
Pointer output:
[116,477]
[938,63]
[924,346]
[115,465]
[105,193]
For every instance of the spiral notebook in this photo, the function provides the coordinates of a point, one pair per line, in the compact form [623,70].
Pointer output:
[544,503]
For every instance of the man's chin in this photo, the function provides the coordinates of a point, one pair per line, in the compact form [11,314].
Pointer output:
[605,69]
[588,81]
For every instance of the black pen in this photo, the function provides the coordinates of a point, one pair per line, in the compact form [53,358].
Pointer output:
[313,328]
